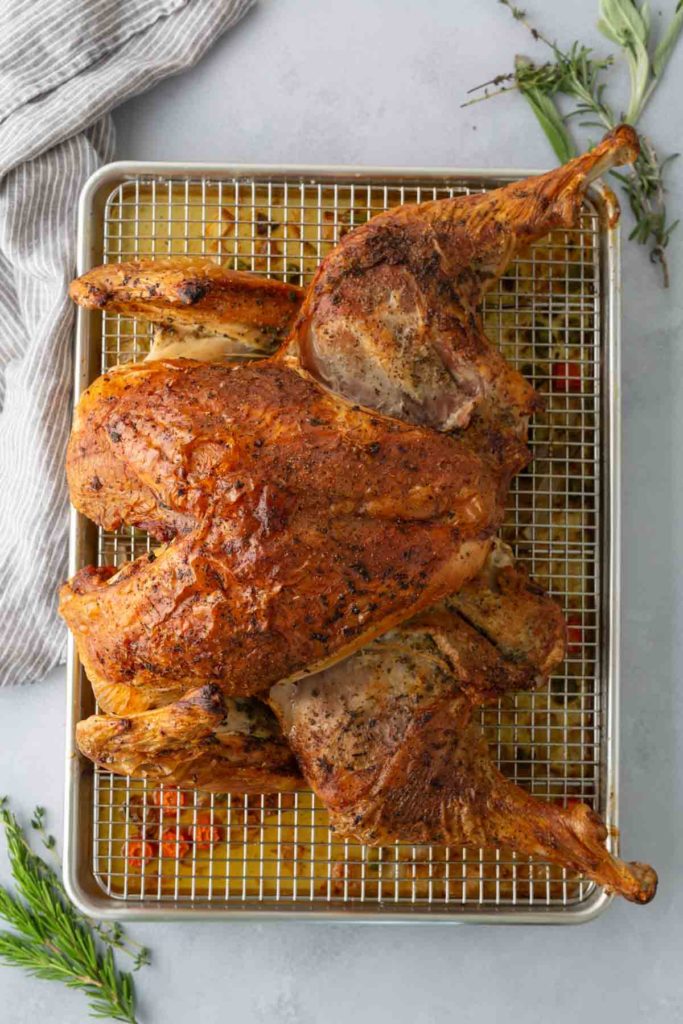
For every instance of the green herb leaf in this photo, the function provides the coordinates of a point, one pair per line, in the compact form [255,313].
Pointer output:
[624,23]
[668,42]
[547,114]
[51,939]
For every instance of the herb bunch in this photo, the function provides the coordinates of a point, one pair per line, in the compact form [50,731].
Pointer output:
[577,74]
[50,939]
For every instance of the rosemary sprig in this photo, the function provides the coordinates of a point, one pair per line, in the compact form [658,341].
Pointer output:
[577,74]
[645,190]
[51,939]
[111,935]
[540,99]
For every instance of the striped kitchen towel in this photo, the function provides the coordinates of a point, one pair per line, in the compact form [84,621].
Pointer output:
[64,64]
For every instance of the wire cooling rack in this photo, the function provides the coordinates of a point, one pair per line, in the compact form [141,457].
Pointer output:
[267,852]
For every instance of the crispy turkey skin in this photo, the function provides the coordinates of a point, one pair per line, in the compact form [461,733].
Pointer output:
[207,740]
[196,305]
[303,527]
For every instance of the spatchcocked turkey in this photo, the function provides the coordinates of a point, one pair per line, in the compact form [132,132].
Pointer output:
[310,502]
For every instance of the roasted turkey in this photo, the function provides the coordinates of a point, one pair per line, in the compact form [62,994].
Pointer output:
[311,501]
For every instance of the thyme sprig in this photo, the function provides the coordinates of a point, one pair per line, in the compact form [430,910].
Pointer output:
[577,74]
[50,939]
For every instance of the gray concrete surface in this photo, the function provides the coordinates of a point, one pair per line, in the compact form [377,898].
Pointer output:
[367,81]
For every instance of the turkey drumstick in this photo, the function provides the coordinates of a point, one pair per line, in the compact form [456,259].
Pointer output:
[391,319]
[388,743]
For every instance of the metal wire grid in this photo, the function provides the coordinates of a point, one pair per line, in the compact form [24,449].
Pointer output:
[544,313]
